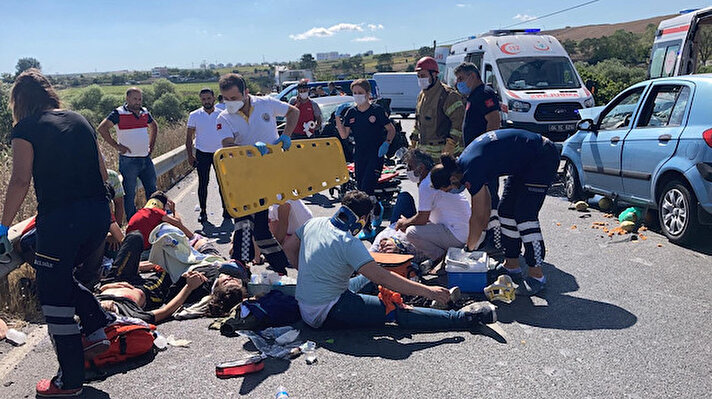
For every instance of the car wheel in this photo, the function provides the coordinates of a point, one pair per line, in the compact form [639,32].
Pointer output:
[677,212]
[572,184]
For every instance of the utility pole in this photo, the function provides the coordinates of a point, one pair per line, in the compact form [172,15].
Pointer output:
[434,44]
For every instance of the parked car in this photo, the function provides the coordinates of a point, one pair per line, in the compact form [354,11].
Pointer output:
[651,146]
[343,85]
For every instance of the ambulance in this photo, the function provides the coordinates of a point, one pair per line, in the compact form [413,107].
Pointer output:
[538,85]
[682,44]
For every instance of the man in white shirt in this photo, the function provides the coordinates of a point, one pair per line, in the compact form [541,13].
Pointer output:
[202,123]
[442,217]
[251,120]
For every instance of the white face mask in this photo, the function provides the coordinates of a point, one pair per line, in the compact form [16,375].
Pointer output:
[423,83]
[412,176]
[303,96]
[360,99]
[234,106]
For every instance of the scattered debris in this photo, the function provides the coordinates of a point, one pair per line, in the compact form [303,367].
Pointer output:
[558,224]
[573,227]
[605,204]
[581,206]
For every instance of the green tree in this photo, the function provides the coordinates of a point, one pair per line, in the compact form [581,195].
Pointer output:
[88,98]
[426,51]
[569,46]
[704,45]
[611,77]
[26,63]
[410,68]
[91,116]
[168,106]
[163,86]
[108,103]
[307,62]
[5,115]
[384,62]
[117,80]
[190,103]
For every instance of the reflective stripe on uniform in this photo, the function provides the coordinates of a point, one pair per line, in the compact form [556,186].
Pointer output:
[453,107]
[58,311]
[63,329]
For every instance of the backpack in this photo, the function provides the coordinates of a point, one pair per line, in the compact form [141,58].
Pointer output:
[127,341]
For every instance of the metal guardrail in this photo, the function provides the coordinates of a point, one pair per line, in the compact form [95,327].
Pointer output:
[163,164]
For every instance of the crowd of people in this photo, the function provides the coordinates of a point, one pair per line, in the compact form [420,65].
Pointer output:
[89,265]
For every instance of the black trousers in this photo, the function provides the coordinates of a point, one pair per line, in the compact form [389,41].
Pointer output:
[203,162]
[257,225]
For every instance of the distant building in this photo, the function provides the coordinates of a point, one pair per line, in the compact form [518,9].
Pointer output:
[212,66]
[221,65]
[367,53]
[159,72]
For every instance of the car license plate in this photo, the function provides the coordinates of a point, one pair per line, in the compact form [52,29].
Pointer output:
[568,127]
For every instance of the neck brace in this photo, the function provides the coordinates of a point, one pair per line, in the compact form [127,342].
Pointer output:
[346,220]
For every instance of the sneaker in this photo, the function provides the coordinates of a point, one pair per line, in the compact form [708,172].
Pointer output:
[530,286]
[377,216]
[93,349]
[203,217]
[48,389]
[426,266]
[481,313]
[492,275]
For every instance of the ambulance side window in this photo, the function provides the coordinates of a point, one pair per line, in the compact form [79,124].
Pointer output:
[451,79]
[664,58]
[490,79]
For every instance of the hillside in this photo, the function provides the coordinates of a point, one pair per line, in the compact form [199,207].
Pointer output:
[579,33]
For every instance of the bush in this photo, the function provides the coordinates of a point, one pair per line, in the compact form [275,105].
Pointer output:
[163,86]
[168,106]
[148,97]
[191,103]
[88,98]
[108,103]
[91,116]
[610,77]
[5,115]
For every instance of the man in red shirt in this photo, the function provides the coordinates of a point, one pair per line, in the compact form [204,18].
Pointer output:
[310,119]
[157,210]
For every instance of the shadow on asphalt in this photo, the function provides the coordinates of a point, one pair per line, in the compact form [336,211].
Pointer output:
[93,393]
[106,372]
[565,312]
[223,232]
[321,200]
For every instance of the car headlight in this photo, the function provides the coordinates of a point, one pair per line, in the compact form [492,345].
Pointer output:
[589,103]
[519,106]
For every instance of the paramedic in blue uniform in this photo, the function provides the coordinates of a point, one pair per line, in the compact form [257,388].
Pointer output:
[531,162]
[58,149]
[481,116]
[251,120]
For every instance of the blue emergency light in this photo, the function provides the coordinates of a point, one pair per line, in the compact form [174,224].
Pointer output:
[689,10]
[532,30]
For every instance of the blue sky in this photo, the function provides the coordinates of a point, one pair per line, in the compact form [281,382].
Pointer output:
[88,35]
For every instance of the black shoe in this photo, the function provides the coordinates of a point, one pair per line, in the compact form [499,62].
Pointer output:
[483,314]
[203,217]
[226,215]
[492,275]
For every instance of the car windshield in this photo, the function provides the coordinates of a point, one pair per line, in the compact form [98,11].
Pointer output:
[328,109]
[538,73]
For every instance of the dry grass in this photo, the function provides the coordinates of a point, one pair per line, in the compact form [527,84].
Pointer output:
[169,137]
[18,297]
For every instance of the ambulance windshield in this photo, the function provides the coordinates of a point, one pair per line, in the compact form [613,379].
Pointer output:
[538,73]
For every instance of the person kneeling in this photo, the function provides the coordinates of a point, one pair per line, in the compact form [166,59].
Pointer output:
[330,253]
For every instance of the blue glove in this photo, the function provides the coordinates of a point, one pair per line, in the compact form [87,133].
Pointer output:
[261,147]
[285,140]
[383,149]
[5,246]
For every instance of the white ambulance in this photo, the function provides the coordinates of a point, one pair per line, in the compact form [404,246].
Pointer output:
[682,44]
[538,85]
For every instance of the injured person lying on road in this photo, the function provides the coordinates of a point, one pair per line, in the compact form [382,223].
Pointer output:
[153,293]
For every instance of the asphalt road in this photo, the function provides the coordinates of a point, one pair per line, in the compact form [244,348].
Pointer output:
[619,318]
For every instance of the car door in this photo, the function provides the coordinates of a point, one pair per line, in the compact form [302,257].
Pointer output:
[654,138]
[601,149]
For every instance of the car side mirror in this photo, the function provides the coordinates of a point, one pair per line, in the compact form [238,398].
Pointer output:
[586,125]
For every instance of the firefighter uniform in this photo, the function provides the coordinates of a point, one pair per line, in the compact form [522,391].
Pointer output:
[439,113]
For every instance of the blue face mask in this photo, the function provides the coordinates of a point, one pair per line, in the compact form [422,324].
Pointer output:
[457,190]
[463,88]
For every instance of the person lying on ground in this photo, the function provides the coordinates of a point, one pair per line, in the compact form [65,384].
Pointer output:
[153,297]
[329,255]
[441,220]
[158,209]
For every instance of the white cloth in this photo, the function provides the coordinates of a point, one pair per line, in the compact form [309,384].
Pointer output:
[206,133]
[298,215]
[171,250]
[315,315]
[451,210]
[260,126]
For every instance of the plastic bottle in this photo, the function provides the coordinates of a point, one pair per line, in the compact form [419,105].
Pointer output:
[160,342]
[281,393]
[16,337]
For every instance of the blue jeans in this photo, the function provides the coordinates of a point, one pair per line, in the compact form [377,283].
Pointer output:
[362,311]
[405,206]
[132,168]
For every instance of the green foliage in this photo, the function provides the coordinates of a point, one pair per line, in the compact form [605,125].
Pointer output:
[569,46]
[307,62]
[191,103]
[93,117]
[626,46]
[5,115]
[610,77]
[108,103]
[410,68]
[385,62]
[168,106]
[148,97]
[426,51]
[163,86]
[26,63]
[88,98]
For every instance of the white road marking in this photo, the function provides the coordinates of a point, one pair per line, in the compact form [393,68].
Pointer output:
[16,355]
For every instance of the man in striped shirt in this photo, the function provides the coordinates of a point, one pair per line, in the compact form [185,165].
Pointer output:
[136,133]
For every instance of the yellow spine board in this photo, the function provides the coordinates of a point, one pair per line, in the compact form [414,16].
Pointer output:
[250,183]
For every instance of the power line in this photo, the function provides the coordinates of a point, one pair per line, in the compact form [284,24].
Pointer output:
[553,13]
[529,20]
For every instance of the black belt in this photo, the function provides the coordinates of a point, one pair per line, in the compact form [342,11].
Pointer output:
[436,142]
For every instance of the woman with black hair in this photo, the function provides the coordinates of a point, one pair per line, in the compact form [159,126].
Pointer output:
[530,161]
[58,149]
